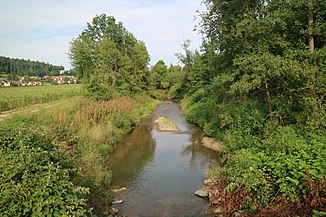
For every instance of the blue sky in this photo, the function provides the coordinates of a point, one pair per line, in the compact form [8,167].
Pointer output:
[42,29]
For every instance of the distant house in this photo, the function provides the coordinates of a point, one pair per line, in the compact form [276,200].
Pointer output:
[72,80]
[4,82]
[35,78]
[64,79]
[58,79]
[34,83]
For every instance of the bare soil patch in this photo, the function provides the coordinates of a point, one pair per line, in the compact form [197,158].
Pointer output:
[212,144]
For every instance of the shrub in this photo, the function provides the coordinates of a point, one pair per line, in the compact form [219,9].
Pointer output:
[36,176]
[283,166]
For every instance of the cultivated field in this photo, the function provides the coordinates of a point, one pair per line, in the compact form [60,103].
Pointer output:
[18,97]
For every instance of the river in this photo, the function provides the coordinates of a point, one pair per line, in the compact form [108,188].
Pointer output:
[161,170]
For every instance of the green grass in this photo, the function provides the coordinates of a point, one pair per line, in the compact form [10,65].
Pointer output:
[18,97]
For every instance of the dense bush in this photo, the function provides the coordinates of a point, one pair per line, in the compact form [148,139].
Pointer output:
[263,160]
[36,176]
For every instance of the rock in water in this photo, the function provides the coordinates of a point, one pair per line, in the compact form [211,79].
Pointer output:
[117,202]
[201,193]
[114,211]
[118,190]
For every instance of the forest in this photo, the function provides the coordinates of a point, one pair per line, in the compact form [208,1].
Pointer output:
[257,84]
[21,67]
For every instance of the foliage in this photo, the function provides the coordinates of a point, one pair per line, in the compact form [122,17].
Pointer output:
[187,59]
[167,81]
[109,59]
[22,67]
[18,97]
[37,177]
[158,75]
[259,86]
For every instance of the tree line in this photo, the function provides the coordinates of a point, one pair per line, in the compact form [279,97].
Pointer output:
[21,67]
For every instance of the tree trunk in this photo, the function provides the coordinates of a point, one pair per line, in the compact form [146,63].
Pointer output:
[246,8]
[314,98]
[269,101]
[310,26]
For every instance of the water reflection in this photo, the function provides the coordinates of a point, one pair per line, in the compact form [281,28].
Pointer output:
[132,154]
[198,152]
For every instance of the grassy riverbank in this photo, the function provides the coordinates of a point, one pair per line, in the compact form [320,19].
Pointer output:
[54,160]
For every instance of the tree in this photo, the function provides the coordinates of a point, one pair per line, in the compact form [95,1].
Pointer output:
[110,59]
[199,77]
[186,58]
[158,75]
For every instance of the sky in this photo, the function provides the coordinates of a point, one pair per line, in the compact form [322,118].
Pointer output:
[42,29]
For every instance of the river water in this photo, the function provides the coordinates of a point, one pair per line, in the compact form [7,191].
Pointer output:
[161,170]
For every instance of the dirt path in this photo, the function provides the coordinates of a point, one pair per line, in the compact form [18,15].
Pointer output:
[32,108]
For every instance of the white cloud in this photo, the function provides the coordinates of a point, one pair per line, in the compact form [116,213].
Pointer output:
[42,29]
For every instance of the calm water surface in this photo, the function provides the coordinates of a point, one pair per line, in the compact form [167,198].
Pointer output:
[161,170]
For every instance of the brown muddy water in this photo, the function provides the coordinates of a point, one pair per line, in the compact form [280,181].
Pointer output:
[161,170]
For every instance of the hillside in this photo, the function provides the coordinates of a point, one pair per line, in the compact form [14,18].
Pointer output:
[22,67]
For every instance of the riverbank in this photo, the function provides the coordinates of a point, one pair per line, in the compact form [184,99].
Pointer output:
[74,139]
[212,186]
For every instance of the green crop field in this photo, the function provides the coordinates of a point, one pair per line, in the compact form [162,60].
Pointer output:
[18,97]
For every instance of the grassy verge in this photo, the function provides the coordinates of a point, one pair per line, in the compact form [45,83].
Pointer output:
[53,162]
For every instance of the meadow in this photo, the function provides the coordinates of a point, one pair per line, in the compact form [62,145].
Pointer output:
[19,97]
